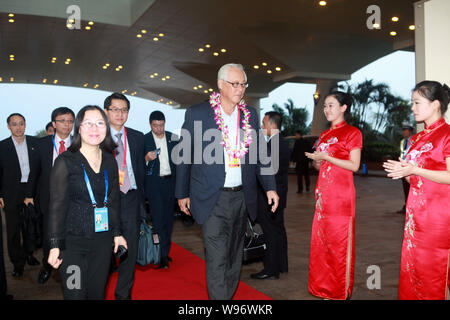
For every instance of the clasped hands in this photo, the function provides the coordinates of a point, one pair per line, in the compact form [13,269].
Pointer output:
[317,156]
[398,169]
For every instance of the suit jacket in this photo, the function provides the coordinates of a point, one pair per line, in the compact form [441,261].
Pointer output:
[298,153]
[202,182]
[10,169]
[151,181]
[281,176]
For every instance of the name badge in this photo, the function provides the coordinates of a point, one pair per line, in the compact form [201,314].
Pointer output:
[101,219]
[121,177]
[234,162]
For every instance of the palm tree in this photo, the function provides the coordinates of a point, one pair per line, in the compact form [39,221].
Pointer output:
[295,118]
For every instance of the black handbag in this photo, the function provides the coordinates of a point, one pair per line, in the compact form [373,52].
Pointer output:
[31,230]
[254,244]
[148,246]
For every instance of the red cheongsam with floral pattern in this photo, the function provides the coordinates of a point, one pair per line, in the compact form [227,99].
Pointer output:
[332,254]
[424,272]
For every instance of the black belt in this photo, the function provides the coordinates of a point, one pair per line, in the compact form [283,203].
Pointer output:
[232,189]
[166,177]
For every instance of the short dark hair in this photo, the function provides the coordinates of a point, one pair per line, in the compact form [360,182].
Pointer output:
[343,98]
[50,124]
[275,117]
[13,115]
[433,90]
[61,110]
[107,144]
[299,132]
[115,95]
[156,116]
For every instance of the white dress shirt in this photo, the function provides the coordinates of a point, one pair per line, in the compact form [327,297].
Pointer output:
[164,165]
[233,176]
[57,145]
[128,159]
[24,161]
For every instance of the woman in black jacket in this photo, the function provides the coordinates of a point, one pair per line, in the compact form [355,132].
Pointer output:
[84,208]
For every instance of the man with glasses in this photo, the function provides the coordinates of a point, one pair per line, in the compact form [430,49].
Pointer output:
[220,193]
[49,148]
[130,159]
[17,165]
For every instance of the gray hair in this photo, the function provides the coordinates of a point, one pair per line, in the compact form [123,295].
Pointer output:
[223,71]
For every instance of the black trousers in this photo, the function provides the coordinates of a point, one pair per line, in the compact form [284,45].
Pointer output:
[276,256]
[85,266]
[162,203]
[302,170]
[3,286]
[15,237]
[130,206]
[405,185]
[223,236]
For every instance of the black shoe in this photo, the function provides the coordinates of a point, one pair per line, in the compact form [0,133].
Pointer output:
[18,272]
[44,275]
[32,261]
[263,275]
[164,263]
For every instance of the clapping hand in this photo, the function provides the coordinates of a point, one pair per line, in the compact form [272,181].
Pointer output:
[398,169]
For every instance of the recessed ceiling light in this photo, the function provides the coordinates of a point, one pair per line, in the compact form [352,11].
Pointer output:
[412,27]
[195,88]
[143,31]
[264,64]
[11,79]
[163,79]
[11,15]
[216,54]
[123,91]
[139,35]
[117,69]
[393,33]
[376,26]
[87,28]
[395,19]
[255,67]
[156,74]
[85,85]
[105,67]
[201,49]
[96,86]
[205,91]
[55,81]
[1,79]
[210,90]
[67,62]
[269,71]
[223,50]
[155,39]
[161,35]
[278,69]
[322,3]
[167,77]
[44,80]
[11,20]
[200,86]
[91,23]
[152,76]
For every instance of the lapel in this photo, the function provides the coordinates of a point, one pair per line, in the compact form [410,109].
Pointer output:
[132,145]
[13,153]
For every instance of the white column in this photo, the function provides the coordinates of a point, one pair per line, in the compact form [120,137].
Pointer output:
[432,44]
[319,122]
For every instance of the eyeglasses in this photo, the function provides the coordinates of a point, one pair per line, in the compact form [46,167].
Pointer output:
[237,84]
[117,110]
[63,121]
[89,124]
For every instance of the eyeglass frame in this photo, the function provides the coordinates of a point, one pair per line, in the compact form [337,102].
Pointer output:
[84,124]
[117,110]
[236,85]
[63,121]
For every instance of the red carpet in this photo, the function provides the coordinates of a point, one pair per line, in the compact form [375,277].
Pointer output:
[184,280]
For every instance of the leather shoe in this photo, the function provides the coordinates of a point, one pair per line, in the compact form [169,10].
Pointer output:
[263,275]
[32,261]
[44,275]
[17,273]
[164,263]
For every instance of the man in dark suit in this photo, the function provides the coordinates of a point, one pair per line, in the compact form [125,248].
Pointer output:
[302,162]
[275,257]
[49,148]
[130,159]
[17,164]
[160,181]
[218,183]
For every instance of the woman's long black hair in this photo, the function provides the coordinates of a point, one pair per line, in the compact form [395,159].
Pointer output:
[107,144]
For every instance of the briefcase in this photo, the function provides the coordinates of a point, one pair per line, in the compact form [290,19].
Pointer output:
[254,243]
[148,246]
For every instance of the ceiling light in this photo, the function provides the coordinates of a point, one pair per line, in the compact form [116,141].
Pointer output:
[195,88]
[264,64]
[152,76]
[200,86]
[44,80]
[269,71]
[11,79]
[163,79]
[207,46]
[143,31]
[255,67]
[156,74]
[161,35]
[11,20]
[210,90]
[155,39]
[96,86]
[376,26]
[85,85]
[1,79]
[67,62]
[278,68]
[120,67]
[133,93]
[393,33]
[87,28]
[322,3]
[167,77]
[412,27]
[91,23]
[55,81]
[215,54]
[123,91]
[205,91]
[201,49]
[395,19]
[139,35]
[223,50]
[11,15]
[105,67]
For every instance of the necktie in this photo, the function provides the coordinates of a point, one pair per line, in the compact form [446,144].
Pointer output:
[120,152]
[62,147]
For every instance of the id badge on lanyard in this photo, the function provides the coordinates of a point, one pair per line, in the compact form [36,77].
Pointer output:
[101,222]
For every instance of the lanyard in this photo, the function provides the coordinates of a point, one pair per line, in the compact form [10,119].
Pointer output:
[91,193]
[54,143]
[124,148]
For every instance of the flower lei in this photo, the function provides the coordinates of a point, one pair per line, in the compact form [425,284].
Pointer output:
[214,100]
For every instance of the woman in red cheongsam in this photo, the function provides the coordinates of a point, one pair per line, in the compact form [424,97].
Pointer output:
[337,156]
[424,272]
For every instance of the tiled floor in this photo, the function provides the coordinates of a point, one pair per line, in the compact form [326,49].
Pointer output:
[379,233]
